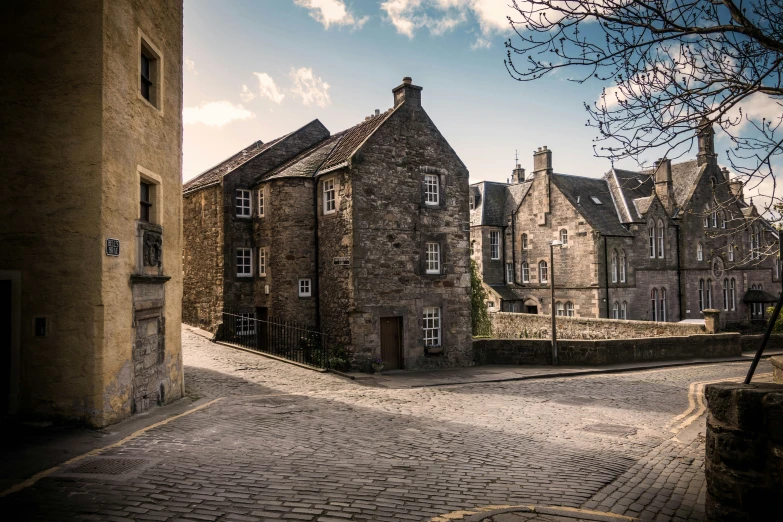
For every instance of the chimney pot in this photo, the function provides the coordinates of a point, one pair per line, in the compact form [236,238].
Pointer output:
[407,80]
[407,93]
[377,112]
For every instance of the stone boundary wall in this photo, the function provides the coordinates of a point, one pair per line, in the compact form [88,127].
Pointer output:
[606,351]
[751,343]
[506,325]
[744,462]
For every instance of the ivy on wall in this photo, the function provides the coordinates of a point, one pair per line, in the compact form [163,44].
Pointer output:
[478,304]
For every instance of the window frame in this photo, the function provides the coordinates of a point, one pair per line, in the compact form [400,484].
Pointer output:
[525,242]
[623,266]
[564,236]
[661,239]
[243,196]
[245,323]
[559,309]
[733,293]
[543,272]
[145,205]
[525,272]
[725,294]
[614,266]
[494,246]
[329,196]
[301,284]
[624,310]
[428,193]
[701,295]
[155,79]
[261,202]
[509,273]
[699,252]
[569,309]
[262,261]
[709,293]
[662,305]
[731,251]
[432,266]
[432,326]
[248,257]
[651,237]
[654,303]
[616,310]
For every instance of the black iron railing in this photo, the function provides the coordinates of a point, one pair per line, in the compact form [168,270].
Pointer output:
[287,339]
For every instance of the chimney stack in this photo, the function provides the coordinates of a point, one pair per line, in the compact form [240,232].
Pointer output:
[663,183]
[542,161]
[735,186]
[407,93]
[377,112]
[706,136]
[518,174]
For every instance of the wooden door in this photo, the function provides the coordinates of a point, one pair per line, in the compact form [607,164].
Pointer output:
[391,342]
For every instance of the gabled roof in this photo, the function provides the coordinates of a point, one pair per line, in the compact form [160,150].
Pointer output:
[353,139]
[685,177]
[642,204]
[582,193]
[493,204]
[215,174]
[516,193]
[307,163]
[631,186]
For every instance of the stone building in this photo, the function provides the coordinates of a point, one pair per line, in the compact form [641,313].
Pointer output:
[658,245]
[362,234]
[91,259]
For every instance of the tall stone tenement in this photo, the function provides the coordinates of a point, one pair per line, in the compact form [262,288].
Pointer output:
[91,256]
[663,244]
[363,234]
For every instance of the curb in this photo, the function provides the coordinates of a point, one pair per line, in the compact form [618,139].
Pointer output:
[275,357]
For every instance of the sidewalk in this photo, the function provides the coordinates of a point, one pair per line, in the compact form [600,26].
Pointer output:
[397,379]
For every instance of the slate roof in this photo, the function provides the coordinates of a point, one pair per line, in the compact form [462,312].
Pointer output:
[493,204]
[353,139]
[579,192]
[630,186]
[642,205]
[685,175]
[759,296]
[506,292]
[307,163]
[516,193]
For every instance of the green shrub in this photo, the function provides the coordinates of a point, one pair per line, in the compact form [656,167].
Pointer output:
[478,307]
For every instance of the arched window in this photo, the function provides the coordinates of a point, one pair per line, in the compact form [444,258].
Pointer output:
[624,310]
[525,272]
[570,309]
[662,306]
[731,251]
[543,273]
[660,238]
[616,310]
[622,266]
[712,183]
[524,241]
[709,293]
[758,241]
[699,252]
[722,219]
[714,218]
[726,294]
[654,304]
[701,295]
[564,236]
[707,216]
[614,266]
[559,310]
[651,232]
[732,292]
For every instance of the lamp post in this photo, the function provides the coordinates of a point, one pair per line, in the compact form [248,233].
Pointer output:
[552,245]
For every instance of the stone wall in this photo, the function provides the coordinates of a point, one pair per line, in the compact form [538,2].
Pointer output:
[751,343]
[744,463]
[603,352]
[528,326]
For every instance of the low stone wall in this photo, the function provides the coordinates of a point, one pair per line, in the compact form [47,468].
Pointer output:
[777,369]
[751,343]
[744,464]
[506,325]
[572,352]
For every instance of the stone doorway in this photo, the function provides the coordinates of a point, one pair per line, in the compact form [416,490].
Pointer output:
[391,342]
[148,357]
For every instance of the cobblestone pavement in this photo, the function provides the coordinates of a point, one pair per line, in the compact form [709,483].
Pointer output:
[288,443]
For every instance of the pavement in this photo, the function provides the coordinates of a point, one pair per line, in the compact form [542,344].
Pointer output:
[259,439]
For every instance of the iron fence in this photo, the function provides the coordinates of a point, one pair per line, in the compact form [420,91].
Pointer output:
[287,339]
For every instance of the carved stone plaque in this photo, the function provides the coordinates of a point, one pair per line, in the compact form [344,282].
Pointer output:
[717,267]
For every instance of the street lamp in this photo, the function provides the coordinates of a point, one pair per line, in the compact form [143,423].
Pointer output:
[552,246]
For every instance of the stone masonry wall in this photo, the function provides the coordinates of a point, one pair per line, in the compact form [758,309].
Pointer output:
[528,326]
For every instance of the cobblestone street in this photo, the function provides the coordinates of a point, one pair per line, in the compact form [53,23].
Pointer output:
[284,442]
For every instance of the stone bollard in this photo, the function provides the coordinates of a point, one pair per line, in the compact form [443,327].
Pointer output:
[712,320]
[744,463]
[777,369]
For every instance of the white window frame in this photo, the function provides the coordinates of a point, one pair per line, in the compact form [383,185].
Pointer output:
[660,239]
[431,326]
[243,203]
[525,272]
[432,258]
[329,192]
[472,203]
[564,236]
[623,263]
[559,309]
[305,287]
[543,272]
[624,310]
[431,190]
[245,323]
[525,243]
[699,252]
[261,202]
[246,259]
[731,251]
[726,294]
[614,266]
[651,233]
[494,245]
[662,306]
[569,309]
[509,272]
[616,310]
[262,262]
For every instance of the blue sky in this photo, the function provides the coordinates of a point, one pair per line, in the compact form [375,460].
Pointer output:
[258,69]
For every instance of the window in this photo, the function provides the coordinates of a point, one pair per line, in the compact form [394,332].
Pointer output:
[701,295]
[543,276]
[431,195]
[150,86]
[623,310]
[570,309]
[758,241]
[654,303]
[431,317]
[651,233]
[662,306]
[706,217]
[731,251]
[245,323]
[509,273]
[243,203]
[524,242]
[732,292]
[596,200]
[262,262]
[145,203]
[660,238]
[564,236]
[525,272]
[432,258]
[472,202]
[709,293]
[494,244]
[147,65]
[559,309]
[244,262]
[722,219]
[261,208]
[726,294]
[699,252]
[329,196]
[622,266]
[714,218]
[305,288]
[616,310]
[614,266]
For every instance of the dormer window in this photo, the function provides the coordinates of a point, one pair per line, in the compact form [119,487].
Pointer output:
[431,192]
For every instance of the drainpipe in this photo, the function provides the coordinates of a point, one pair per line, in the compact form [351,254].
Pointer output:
[679,274]
[513,249]
[317,286]
[606,275]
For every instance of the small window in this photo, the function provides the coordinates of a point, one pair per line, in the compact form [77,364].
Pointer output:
[543,275]
[624,310]
[699,252]
[559,309]
[330,205]
[622,266]
[509,273]
[243,203]
[494,245]
[660,238]
[731,251]
[145,203]
[431,193]
[596,200]
[651,235]
[305,289]
[525,272]
[150,73]
[262,262]
[524,242]
[654,304]
[472,202]
[246,323]
[431,325]
[614,267]
[616,310]
[569,309]
[432,258]
[564,236]
[244,262]
[261,205]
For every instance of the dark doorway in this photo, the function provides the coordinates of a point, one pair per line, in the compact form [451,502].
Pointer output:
[391,342]
[262,326]
[5,345]
[531,309]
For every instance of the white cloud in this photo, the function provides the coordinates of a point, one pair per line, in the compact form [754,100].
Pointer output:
[215,114]
[331,12]
[246,94]
[190,65]
[492,15]
[481,43]
[441,16]
[268,88]
[308,87]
